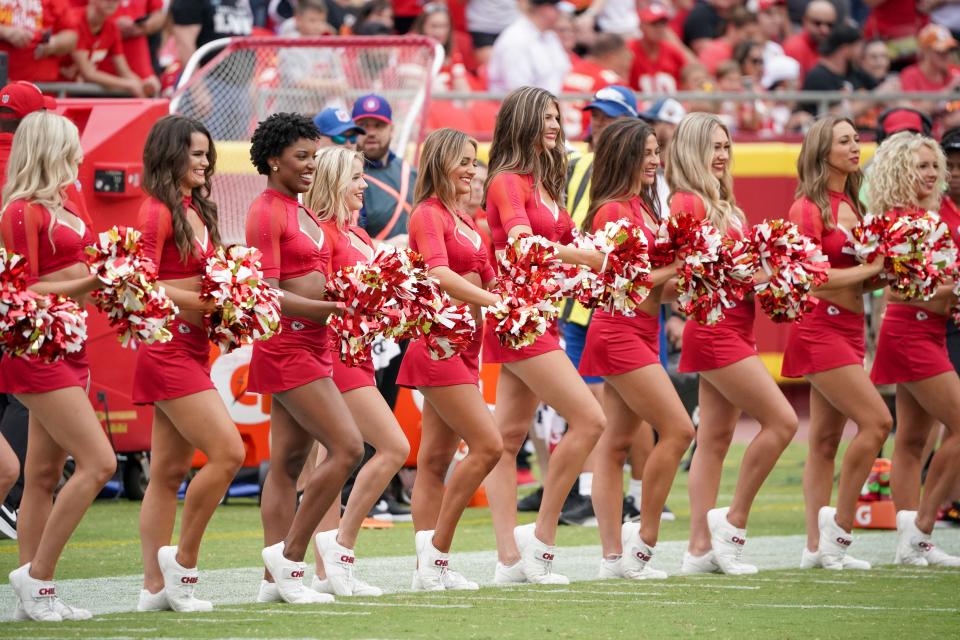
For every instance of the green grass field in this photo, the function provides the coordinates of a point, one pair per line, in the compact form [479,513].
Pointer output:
[781,603]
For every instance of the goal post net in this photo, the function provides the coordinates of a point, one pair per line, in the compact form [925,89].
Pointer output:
[244,80]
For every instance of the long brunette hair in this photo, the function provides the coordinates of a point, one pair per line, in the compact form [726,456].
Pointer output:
[814,170]
[166,159]
[442,151]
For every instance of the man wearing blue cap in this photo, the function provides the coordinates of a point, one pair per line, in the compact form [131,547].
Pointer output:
[388,201]
[337,128]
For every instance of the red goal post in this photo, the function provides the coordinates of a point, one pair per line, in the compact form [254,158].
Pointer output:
[244,80]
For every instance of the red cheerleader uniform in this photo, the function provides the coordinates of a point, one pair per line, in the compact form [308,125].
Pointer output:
[617,343]
[339,245]
[436,236]
[829,337]
[180,367]
[513,201]
[300,352]
[48,245]
[708,347]
[912,344]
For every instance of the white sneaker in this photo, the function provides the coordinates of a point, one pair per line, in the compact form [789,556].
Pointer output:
[512,574]
[339,563]
[455,581]
[431,564]
[834,541]
[179,583]
[811,560]
[727,542]
[610,569]
[288,576]
[153,601]
[37,597]
[360,588]
[914,547]
[698,564]
[536,557]
[268,592]
[635,562]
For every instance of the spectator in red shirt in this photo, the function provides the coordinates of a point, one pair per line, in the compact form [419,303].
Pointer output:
[434,22]
[136,20]
[893,19]
[607,63]
[98,40]
[34,34]
[818,20]
[656,60]
[933,71]
[741,26]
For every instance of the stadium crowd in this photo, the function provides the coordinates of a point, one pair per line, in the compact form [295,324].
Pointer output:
[767,47]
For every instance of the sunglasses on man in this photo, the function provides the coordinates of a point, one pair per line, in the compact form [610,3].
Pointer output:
[343,139]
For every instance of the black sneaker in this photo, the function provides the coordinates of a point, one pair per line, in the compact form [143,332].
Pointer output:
[631,511]
[580,514]
[380,511]
[531,502]
[8,522]
[397,510]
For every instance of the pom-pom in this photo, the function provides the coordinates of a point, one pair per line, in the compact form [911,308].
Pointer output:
[793,263]
[134,303]
[920,255]
[248,308]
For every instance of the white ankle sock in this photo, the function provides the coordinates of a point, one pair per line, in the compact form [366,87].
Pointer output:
[586,483]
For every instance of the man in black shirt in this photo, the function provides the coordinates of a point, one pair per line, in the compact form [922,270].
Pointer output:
[836,70]
[705,22]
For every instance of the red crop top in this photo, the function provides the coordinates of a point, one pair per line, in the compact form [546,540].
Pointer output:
[46,243]
[631,210]
[339,246]
[512,201]
[273,226]
[436,236]
[691,203]
[806,215]
[156,224]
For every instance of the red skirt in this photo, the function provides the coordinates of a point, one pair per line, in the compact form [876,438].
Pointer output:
[712,347]
[829,337]
[418,369]
[912,346]
[299,354]
[493,351]
[32,375]
[168,370]
[618,344]
[350,378]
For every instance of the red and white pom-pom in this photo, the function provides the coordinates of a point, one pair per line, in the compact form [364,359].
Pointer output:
[449,330]
[531,270]
[624,282]
[46,326]
[517,323]
[869,239]
[248,308]
[793,263]
[704,288]
[920,255]
[134,303]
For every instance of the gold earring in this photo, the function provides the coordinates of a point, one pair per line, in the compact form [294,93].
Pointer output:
[275,168]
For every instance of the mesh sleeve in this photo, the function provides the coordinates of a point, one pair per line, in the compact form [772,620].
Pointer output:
[266,223]
[428,226]
[21,226]
[508,193]
[156,227]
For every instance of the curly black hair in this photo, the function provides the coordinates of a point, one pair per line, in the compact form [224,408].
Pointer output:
[275,134]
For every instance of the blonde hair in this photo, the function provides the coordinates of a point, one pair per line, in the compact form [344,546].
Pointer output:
[892,182]
[688,168]
[517,145]
[44,160]
[442,151]
[326,196]
[814,170]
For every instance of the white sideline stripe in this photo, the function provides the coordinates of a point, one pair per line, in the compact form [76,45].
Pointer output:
[239,586]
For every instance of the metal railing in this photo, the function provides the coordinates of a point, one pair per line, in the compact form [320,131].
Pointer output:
[823,99]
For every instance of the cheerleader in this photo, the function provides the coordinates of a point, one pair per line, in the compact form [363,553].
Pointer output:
[296,364]
[453,409]
[37,223]
[180,230]
[732,377]
[523,191]
[906,179]
[827,346]
[625,351]
[337,194]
